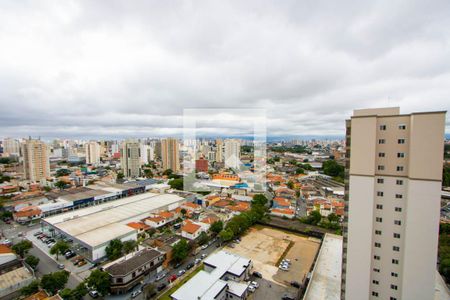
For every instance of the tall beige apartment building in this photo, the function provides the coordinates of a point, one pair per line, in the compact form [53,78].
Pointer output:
[219,151]
[393,186]
[36,163]
[92,150]
[170,154]
[130,159]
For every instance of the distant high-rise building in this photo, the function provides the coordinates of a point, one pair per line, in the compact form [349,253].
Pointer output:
[232,153]
[130,159]
[11,147]
[201,165]
[147,154]
[158,150]
[92,151]
[170,154]
[393,190]
[35,160]
[219,151]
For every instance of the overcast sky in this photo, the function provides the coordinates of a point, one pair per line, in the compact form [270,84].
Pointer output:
[129,68]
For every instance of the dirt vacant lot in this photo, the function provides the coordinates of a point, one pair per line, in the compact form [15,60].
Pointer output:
[265,246]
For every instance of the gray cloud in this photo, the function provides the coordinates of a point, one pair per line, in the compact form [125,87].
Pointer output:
[120,68]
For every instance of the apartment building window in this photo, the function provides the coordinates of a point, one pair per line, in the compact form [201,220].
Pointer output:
[380,194]
[382,127]
[398,209]
[381,141]
[375,294]
[397,222]
[375,282]
[381,154]
[401,141]
[396,248]
[393,286]
[380,180]
[392,298]
[400,154]
[399,182]
[379,206]
[376,257]
[377,245]
[378,232]
[395,261]
[396,235]
[393,274]
[398,196]
[380,168]
[399,168]
[376,270]
[402,126]
[378,219]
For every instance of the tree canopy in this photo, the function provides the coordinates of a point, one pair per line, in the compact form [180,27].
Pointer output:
[216,227]
[129,246]
[30,289]
[180,251]
[59,248]
[114,249]
[333,169]
[99,280]
[176,184]
[21,248]
[32,261]
[53,282]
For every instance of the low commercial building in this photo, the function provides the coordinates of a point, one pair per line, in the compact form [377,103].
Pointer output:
[128,271]
[13,274]
[94,227]
[222,278]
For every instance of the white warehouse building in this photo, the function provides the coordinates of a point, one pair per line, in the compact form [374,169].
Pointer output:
[94,227]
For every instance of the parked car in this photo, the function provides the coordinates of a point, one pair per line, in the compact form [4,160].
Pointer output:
[61,266]
[136,293]
[254,284]
[51,244]
[284,268]
[172,278]
[257,274]
[70,254]
[295,284]
[37,233]
[161,276]
[205,246]
[177,265]
[181,272]
[190,265]
[7,242]
[203,255]
[82,262]
[251,289]
[197,261]
[93,294]
[161,287]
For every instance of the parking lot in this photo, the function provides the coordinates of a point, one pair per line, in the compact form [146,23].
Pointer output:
[81,271]
[267,247]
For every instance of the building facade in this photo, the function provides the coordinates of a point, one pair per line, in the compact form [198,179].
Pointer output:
[11,147]
[391,220]
[92,150]
[130,159]
[35,160]
[170,154]
[232,153]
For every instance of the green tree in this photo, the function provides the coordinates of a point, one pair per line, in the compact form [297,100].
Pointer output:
[226,235]
[314,218]
[21,248]
[129,246]
[300,171]
[59,248]
[333,169]
[259,199]
[148,173]
[30,289]
[168,172]
[120,176]
[149,290]
[176,184]
[60,184]
[47,188]
[62,172]
[183,212]
[80,291]
[290,184]
[180,251]
[203,238]
[66,294]
[99,280]
[216,227]
[446,176]
[32,261]
[333,218]
[114,249]
[54,281]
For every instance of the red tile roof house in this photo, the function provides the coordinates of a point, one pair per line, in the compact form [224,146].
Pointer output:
[191,230]
[283,212]
[27,214]
[140,227]
[280,202]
